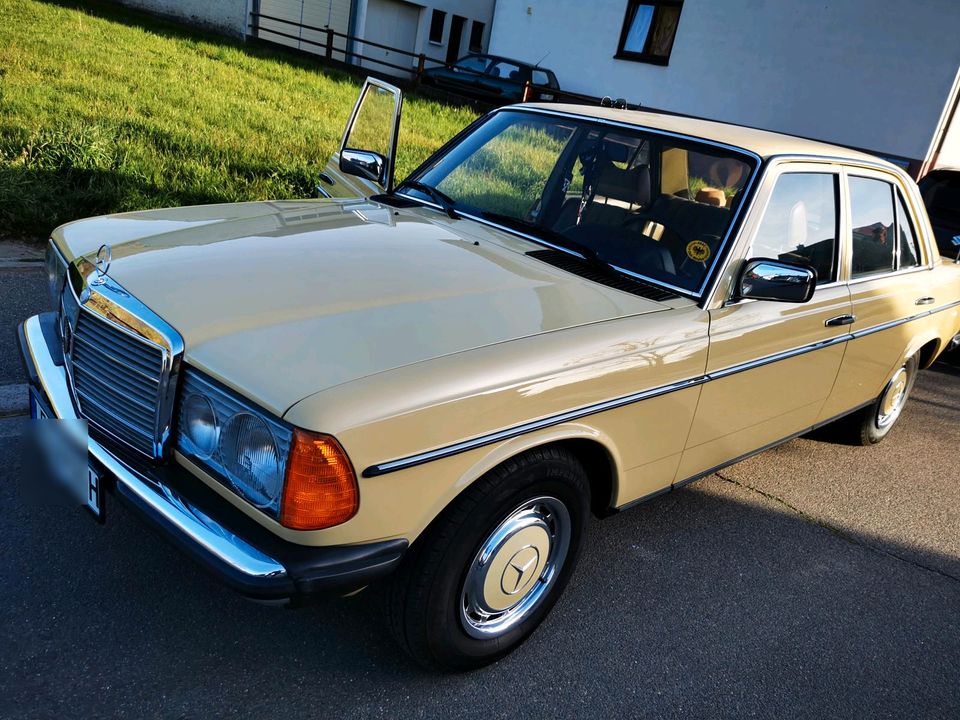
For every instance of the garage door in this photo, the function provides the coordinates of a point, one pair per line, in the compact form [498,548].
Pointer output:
[393,23]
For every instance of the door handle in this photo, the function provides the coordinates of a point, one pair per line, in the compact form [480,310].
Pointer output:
[840,320]
[925,301]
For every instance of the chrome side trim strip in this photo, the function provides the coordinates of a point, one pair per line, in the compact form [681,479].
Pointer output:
[163,503]
[785,355]
[894,323]
[534,425]
[527,427]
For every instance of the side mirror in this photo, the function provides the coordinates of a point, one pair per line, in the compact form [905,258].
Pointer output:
[363,163]
[368,149]
[765,279]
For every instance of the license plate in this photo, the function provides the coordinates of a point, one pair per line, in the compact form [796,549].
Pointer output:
[71,468]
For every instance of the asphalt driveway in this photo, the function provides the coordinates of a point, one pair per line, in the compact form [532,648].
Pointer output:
[815,580]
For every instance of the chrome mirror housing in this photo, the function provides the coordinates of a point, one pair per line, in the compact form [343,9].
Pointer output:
[766,279]
[363,163]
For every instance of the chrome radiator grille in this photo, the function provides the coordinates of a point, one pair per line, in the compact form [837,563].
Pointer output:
[118,380]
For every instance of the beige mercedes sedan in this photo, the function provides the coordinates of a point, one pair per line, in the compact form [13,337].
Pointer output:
[430,385]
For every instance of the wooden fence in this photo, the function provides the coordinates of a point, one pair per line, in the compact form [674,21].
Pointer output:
[349,57]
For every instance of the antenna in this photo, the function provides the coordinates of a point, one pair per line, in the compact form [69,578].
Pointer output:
[537,63]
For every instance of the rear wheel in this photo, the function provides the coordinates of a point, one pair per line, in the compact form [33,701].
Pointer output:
[487,572]
[871,424]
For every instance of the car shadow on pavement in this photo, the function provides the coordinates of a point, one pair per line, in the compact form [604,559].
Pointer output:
[711,600]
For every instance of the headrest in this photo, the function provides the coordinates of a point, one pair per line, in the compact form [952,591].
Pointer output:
[797,228]
[630,186]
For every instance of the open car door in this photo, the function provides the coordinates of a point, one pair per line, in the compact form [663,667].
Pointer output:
[364,164]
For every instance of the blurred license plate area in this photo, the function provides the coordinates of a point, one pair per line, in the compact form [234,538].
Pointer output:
[58,464]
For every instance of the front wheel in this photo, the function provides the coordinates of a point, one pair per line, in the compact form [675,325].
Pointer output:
[487,572]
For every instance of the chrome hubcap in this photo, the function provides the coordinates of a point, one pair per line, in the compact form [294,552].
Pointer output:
[515,567]
[893,399]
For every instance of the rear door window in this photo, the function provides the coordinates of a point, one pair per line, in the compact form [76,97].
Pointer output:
[872,219]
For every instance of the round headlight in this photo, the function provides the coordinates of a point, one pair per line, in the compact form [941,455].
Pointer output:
[200,424]
[250,456]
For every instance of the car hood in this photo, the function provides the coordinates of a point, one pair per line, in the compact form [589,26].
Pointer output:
[283,300]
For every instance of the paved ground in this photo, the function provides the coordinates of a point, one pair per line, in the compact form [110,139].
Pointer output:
[23,292]
[816,580]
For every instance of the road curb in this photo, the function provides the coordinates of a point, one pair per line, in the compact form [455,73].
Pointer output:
[16,254]
[14,400]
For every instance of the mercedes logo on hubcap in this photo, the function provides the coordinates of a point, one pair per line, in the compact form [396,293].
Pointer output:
[520,568]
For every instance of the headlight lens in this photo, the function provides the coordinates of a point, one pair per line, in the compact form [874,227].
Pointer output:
[243,446]
[302,479]
[250,457]
[56,268]
[200,427]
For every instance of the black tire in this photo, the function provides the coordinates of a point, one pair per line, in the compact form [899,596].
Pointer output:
[871,424]
[424,599]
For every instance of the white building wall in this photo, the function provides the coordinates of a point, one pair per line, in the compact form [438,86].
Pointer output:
[872,74]
[227,16]
[950,152]
[471,10]
[945,149]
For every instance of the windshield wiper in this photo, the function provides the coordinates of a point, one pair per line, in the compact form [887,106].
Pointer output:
[551,236]
[442,199]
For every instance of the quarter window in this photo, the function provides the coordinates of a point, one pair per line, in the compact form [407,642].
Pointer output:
[436,26]
[909,252]
[872,219]
[648,31]
[800,223]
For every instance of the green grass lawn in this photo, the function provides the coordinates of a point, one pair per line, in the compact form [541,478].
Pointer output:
[104,110]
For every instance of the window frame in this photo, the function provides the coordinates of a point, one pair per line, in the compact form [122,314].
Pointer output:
[897,186]
[442,15]
[646,56]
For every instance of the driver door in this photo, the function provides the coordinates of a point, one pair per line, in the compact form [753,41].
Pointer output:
[364,163]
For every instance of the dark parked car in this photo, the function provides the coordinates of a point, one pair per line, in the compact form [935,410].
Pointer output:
[941,194]
[491,78]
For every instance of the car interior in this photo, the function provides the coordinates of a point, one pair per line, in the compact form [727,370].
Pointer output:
[644,205]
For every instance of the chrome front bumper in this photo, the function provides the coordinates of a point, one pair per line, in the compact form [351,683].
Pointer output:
[271,569]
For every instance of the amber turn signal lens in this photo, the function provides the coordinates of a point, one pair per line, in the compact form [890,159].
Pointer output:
[321,487]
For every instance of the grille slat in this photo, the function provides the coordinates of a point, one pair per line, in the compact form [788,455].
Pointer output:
[118,381]
[112,422]
[97,357]
[127,405]
[119,346]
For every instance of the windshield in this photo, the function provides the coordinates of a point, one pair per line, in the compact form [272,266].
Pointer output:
[641,202]
[473,63]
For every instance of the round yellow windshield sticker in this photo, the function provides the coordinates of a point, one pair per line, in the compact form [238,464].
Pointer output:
[698,251]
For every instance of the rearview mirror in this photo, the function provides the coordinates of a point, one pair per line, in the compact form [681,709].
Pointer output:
[765,279]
